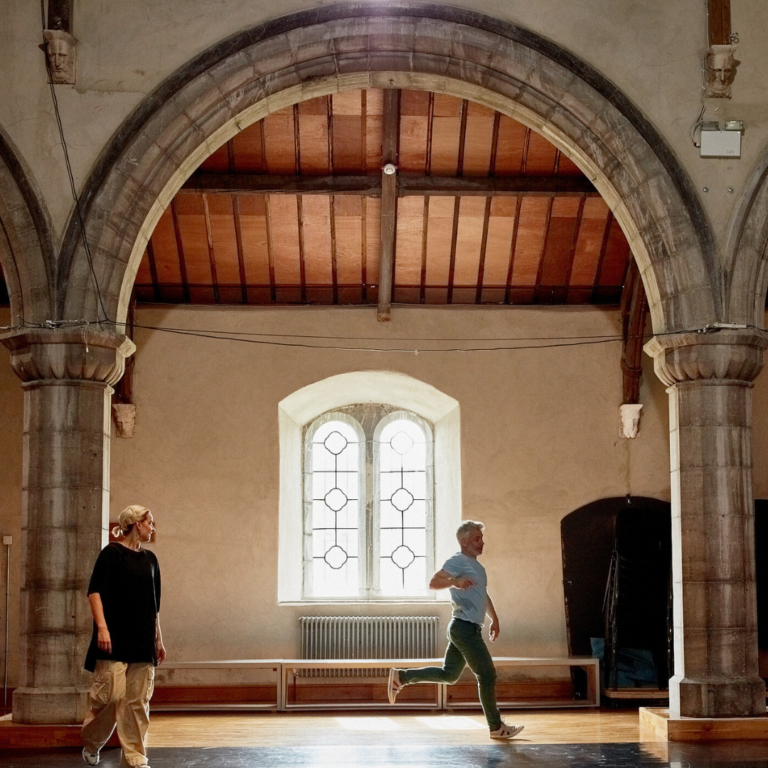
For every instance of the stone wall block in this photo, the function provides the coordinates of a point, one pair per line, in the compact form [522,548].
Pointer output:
[55,664]
[713,548]
[234,73]
[49,705]
[271,55]
[715,605]
[53,566]
[64,507]
[84,469]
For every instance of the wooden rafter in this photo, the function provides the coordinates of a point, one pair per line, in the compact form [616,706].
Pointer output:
[719,21]
[634,311]
[408,184]
[388,202]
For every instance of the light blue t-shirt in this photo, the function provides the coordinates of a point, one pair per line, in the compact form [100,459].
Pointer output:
[468,604]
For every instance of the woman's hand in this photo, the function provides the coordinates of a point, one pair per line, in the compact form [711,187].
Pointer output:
[104,640]
[494,631]
[160,652]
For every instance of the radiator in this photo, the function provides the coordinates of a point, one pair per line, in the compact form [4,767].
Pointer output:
[366,637]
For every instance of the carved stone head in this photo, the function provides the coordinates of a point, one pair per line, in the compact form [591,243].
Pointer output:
[721,69]
[125,419]
[60,49]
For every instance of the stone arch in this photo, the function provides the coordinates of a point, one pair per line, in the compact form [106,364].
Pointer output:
[747,277]
[447,50]
[26,249]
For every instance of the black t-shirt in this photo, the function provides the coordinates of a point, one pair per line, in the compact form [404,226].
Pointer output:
[128,583]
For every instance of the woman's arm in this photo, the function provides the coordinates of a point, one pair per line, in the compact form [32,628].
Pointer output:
[159,647]
[104,640]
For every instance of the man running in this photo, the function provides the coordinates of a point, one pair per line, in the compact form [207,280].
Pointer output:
[467,580]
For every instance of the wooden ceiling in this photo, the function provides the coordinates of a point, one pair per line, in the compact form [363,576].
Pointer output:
[289,211]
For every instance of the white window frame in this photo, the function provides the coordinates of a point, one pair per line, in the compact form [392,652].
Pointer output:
[301,408]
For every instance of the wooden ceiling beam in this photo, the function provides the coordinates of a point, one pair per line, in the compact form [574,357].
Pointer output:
[408,184]
[634,311]
[388,203]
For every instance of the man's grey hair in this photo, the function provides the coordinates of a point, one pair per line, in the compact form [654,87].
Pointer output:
[468,527]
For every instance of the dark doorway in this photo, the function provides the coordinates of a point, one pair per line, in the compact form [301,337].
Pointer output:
[616,579]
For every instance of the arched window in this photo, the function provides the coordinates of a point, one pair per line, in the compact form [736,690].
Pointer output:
[370,488]
[368,504]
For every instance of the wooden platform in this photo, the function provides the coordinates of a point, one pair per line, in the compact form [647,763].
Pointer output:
[21,736]
[657,724]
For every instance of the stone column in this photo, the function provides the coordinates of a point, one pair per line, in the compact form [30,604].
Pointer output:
[713,548]
[67,377]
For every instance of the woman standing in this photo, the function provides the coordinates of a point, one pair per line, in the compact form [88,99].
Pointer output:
[127,644]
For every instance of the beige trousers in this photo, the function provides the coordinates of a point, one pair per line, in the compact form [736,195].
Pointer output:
[120,695]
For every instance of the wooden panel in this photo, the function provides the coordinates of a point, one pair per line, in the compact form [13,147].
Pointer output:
[347,132]
[566,167]
[479,138]
[540,159]
[510,149]
[439,234]
[616,258]
[248,149]
[410,223]
[143,275]
[560,238]
[224,239]
[530,240]
[317,240]
[414,110]
[280,142]
[284,230]
[498,247]
[218,162]
[313,136]
[194,238]
[253,226]
[468,240]
[374,122]
[446,128]
[589,242]
[166,253]
[348,212]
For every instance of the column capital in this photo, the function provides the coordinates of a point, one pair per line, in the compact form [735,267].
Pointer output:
[81,354]
[721,355]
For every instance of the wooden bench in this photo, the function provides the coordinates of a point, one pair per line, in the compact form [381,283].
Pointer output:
[179,697]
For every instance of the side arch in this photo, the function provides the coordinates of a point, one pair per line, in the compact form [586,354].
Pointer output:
[26,247]
[748,252]
[436,48]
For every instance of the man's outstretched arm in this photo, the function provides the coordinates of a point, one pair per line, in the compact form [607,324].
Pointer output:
[444,580]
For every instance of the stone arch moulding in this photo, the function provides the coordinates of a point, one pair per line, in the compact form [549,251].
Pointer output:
[313,53]
[748,252]
[26,248]
[301,408]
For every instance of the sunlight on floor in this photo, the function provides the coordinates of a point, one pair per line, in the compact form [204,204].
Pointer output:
[368,723]
[451,723]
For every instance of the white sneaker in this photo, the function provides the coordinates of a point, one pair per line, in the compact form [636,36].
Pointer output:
[394,686]
[90,758]
[505,731]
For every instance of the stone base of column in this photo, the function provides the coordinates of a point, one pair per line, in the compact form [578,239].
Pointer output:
[37,706]
[658,724]
[734,697]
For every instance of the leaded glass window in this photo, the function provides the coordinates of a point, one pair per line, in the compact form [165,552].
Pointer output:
[404,507]
[334,525]
[368,490]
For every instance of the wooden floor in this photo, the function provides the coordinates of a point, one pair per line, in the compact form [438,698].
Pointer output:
[383,729]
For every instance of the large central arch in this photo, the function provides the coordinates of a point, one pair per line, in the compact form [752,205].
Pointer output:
[310,54]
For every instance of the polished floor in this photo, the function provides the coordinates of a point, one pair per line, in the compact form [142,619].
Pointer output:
[606,739]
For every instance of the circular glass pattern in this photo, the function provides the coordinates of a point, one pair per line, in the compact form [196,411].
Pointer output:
[401,499]
[336,499]
[403,556]
[335,443]
[401,443]
[335,557]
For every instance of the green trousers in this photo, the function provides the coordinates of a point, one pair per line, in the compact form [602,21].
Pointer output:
[465,647]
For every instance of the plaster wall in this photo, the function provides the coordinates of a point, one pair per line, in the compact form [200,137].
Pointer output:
[651,49]
[539,438]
